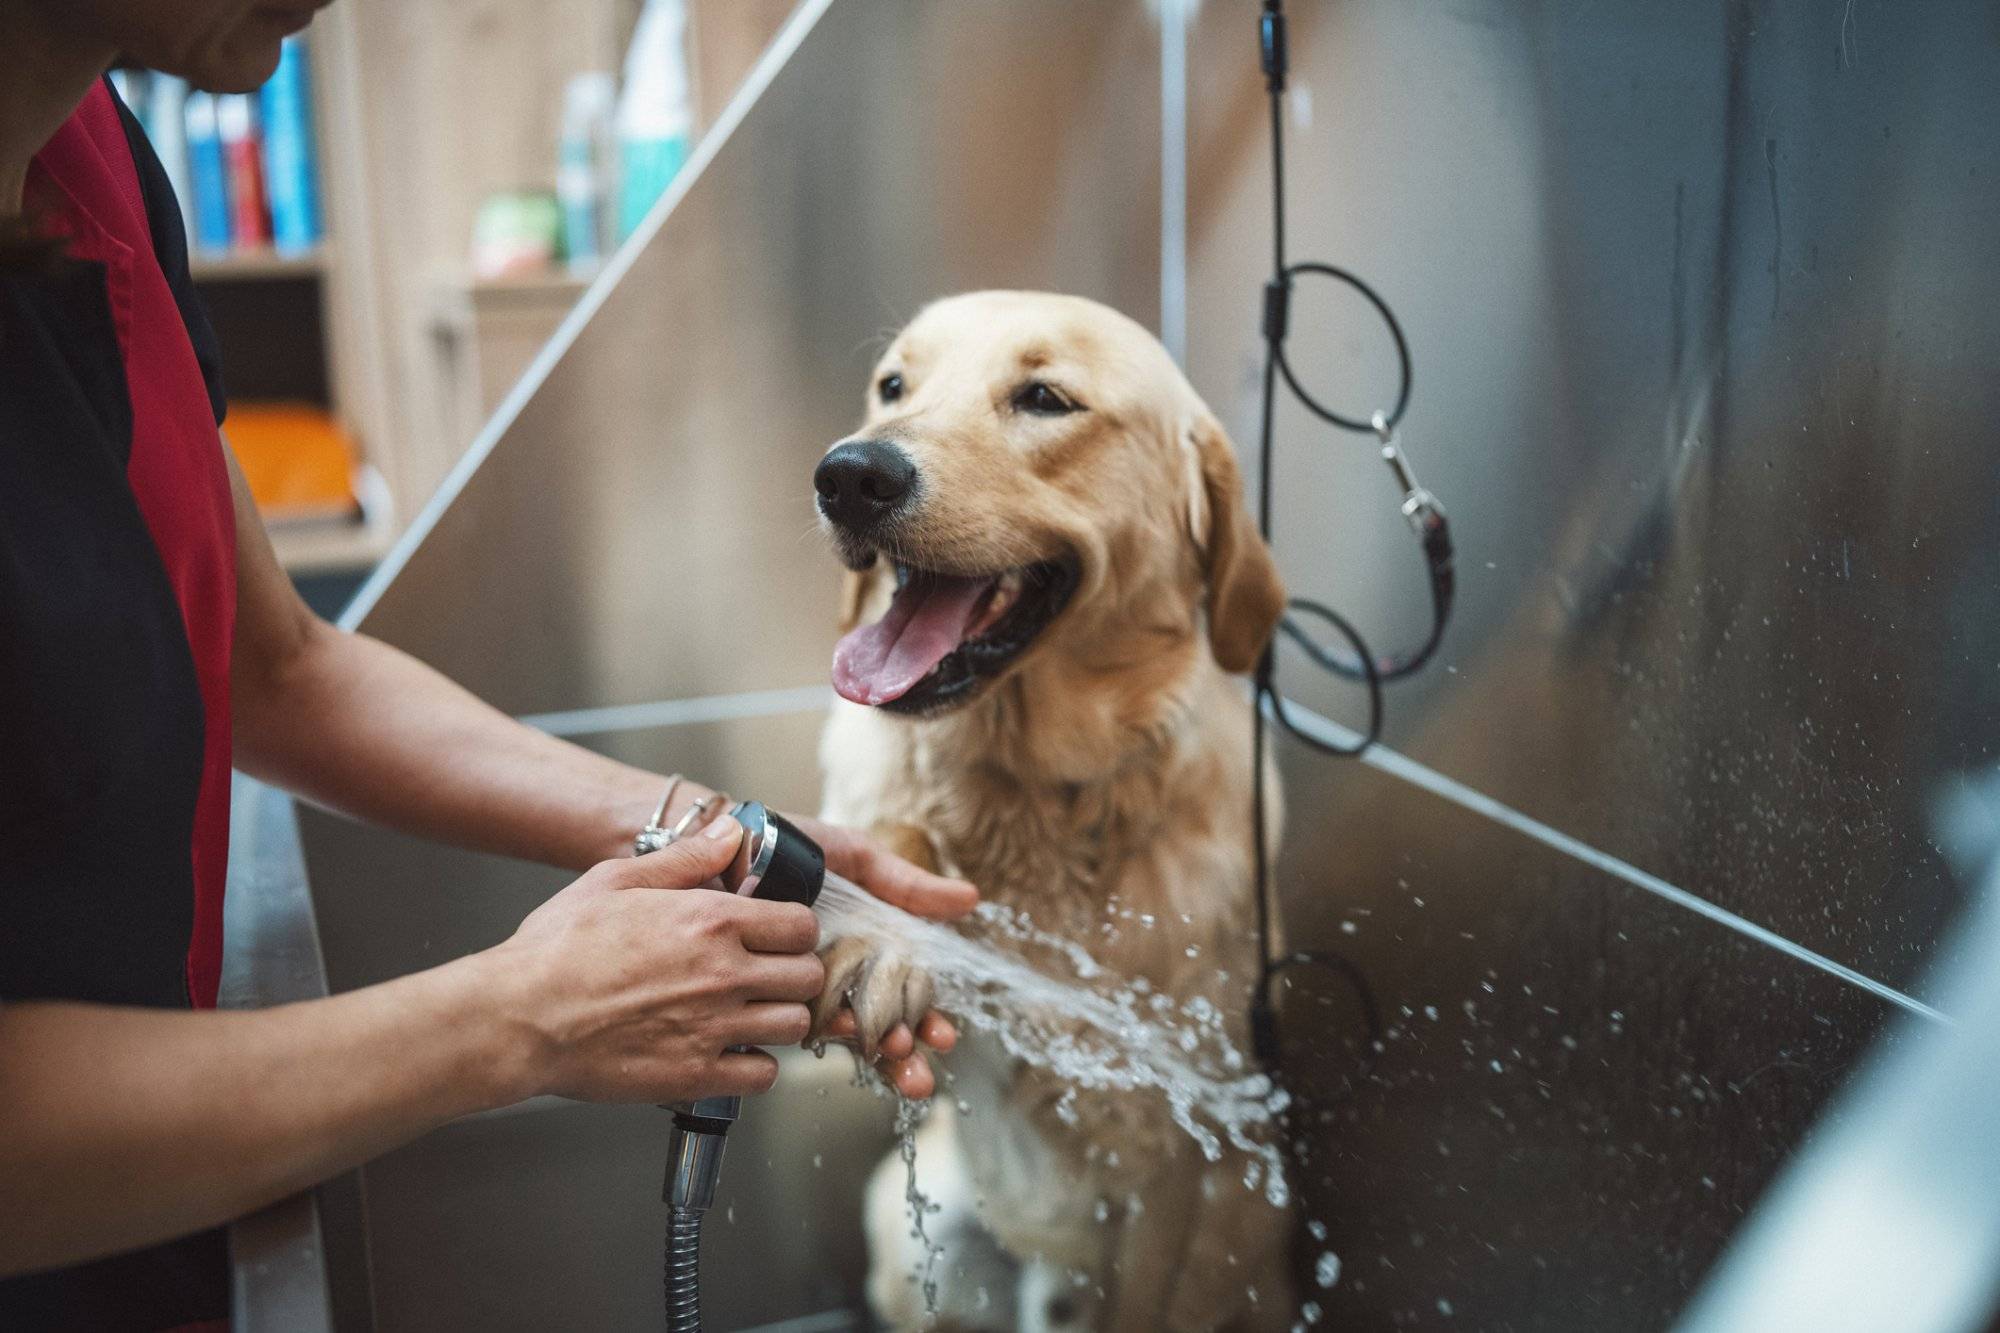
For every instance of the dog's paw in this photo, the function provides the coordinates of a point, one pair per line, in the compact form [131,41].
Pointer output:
[880,983]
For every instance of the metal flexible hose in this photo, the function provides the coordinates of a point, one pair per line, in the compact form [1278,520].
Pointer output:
[683,1276]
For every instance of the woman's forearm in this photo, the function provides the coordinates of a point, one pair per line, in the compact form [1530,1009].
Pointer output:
[357,726]
[120,1127]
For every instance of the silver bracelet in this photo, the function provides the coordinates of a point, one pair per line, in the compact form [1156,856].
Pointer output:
[655,835]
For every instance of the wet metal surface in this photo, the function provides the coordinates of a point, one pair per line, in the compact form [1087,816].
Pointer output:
[1702,302]
[1703,319]
[278,1254]
[642,530]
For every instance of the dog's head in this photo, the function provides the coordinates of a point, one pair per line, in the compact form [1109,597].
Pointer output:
[1036,483]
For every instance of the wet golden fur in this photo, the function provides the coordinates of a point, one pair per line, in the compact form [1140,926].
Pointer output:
[1107,769]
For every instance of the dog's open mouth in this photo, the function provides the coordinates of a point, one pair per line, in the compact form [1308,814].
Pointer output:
[945,634]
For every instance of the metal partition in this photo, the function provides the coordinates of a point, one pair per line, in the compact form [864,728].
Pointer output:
[1701,298]
[1705,330]
[637,526]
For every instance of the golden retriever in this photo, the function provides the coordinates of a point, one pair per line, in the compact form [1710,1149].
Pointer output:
[1053,574]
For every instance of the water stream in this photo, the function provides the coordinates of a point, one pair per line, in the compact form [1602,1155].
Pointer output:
[1096,1031]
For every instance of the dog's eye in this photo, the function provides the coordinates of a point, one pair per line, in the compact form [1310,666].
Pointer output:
[1043,400]
[889,388]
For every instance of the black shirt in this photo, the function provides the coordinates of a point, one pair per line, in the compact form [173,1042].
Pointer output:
[101,720]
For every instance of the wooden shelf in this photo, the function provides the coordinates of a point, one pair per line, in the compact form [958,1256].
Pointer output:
[256,265]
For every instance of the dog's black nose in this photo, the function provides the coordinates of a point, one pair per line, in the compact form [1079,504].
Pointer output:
[860,483]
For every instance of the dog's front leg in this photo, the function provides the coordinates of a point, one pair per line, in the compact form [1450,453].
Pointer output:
[913,844]
[1236,1272]
[874,976]
[1190,1261]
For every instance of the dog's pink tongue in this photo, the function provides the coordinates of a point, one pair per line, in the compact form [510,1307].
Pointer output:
[880,662]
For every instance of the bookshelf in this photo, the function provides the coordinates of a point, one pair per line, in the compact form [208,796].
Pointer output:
[418,110]
[256,265]
[247,169]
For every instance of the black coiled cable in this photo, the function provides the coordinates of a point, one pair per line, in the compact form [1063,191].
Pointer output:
[1422,510]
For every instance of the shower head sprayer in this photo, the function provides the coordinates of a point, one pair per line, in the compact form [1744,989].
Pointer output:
[775,860]
[778,862]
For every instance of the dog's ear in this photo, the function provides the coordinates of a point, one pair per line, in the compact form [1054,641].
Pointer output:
[1245,595]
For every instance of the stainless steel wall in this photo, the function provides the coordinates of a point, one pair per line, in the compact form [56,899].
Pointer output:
[1701,298]
[1703,304]
[640,528]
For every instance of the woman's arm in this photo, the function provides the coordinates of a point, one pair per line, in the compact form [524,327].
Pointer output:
[359,727]
[362,728]
[120,1127]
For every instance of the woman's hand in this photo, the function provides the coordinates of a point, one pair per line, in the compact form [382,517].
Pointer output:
[860,858]
[625,993]
[856,856]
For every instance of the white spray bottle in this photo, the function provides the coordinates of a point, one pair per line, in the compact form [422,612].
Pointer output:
[655,119]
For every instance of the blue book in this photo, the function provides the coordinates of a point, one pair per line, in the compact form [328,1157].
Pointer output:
[208,174]
[290,174]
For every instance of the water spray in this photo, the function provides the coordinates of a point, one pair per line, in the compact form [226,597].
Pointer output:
[775,861]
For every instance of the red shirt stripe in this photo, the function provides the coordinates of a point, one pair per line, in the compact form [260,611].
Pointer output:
[177,469]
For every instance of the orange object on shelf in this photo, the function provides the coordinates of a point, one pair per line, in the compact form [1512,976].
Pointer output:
[297,459]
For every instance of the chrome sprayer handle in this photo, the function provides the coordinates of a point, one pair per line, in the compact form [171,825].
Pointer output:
[776,860]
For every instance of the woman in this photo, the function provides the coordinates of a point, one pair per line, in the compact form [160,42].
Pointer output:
[148,639]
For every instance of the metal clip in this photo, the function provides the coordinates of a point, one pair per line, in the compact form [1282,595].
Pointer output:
[1420,508]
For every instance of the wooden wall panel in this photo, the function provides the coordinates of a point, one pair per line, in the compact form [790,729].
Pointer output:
[431,106]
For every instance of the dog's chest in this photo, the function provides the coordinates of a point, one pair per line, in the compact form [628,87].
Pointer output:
[1148,874]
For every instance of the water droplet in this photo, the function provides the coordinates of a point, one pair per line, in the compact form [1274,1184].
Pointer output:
[1039,997]
[1444,1307]
[1327,1271]
[1317,1228]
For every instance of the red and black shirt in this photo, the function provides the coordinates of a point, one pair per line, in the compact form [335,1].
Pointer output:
[117,605]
